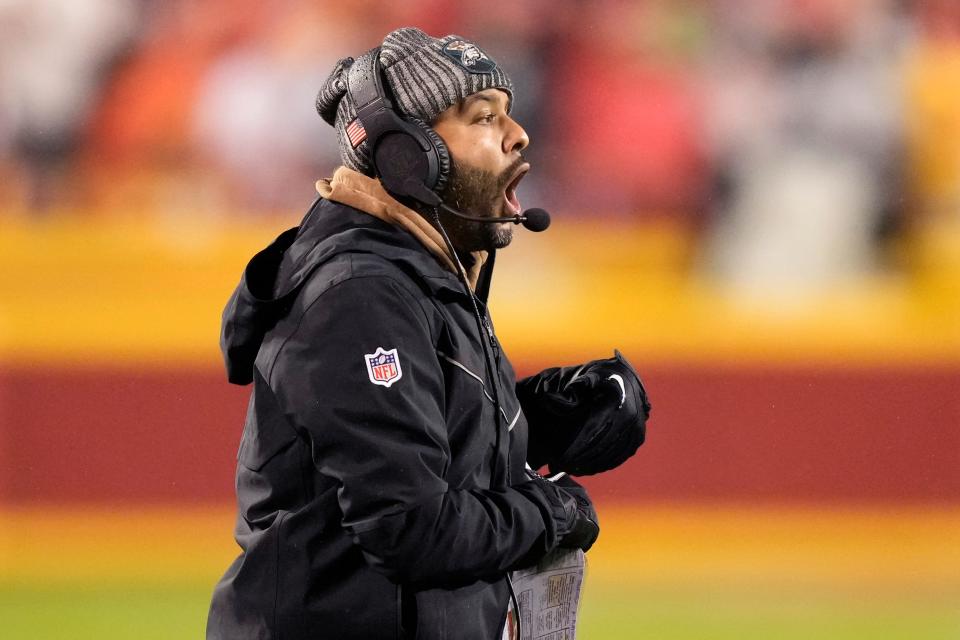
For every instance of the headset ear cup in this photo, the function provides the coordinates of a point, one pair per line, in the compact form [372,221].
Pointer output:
[443,155]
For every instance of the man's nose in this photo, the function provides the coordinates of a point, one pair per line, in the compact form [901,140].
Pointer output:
[516,138]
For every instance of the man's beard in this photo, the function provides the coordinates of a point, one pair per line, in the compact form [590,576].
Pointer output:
[478,192]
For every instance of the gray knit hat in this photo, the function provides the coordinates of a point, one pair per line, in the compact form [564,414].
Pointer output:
[426,76]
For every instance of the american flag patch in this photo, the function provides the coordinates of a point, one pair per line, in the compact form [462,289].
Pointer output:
[356,133]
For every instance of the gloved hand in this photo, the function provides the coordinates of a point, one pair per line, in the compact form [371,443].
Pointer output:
[586,527]
[580,530]
[586,419]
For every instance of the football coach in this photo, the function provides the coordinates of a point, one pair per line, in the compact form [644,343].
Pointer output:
[385,480]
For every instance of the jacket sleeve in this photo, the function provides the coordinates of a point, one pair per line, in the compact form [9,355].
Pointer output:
[387,448]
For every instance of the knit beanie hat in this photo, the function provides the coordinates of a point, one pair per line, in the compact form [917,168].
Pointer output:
[426,76]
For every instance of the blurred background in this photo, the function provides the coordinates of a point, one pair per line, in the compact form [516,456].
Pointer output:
[757,201]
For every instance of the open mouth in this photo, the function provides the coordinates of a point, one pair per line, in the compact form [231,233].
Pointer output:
[510,191]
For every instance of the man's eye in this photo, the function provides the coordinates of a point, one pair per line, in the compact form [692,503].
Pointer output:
[487,118]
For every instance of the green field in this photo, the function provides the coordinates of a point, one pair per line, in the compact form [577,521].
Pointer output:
[657,572]
[610,612]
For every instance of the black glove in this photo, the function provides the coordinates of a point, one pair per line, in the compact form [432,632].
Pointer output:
[580,528]
[586,419]
[586,528]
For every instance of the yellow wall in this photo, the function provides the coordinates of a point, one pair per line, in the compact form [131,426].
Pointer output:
[123,290]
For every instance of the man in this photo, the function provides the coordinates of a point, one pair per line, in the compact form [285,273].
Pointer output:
[381,478]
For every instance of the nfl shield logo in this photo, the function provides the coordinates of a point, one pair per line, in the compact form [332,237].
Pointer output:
[383,366]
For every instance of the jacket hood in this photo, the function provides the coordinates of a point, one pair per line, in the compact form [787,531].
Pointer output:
[274,276]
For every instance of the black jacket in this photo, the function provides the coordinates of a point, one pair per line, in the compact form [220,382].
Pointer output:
[370,510]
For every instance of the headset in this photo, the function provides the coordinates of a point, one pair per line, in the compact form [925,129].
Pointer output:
[408,156]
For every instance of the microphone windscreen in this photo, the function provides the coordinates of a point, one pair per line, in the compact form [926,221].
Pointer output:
[536,219]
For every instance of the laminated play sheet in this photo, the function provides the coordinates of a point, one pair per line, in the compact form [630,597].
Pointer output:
[549,597]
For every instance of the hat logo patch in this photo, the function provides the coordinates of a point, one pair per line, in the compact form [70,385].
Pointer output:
[383,366]
[469,56]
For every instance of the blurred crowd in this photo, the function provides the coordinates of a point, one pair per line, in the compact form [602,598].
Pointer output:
[793,136]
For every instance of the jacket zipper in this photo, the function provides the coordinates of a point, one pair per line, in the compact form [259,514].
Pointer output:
[493,339]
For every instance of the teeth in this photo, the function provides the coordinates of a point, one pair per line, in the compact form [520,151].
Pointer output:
[512,202]
[510,193]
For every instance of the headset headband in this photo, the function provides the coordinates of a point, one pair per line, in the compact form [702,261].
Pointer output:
[365,82]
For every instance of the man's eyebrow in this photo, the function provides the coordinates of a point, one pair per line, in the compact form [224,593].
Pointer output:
[486,97]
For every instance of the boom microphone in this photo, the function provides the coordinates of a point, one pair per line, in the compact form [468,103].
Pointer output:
[535,219]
